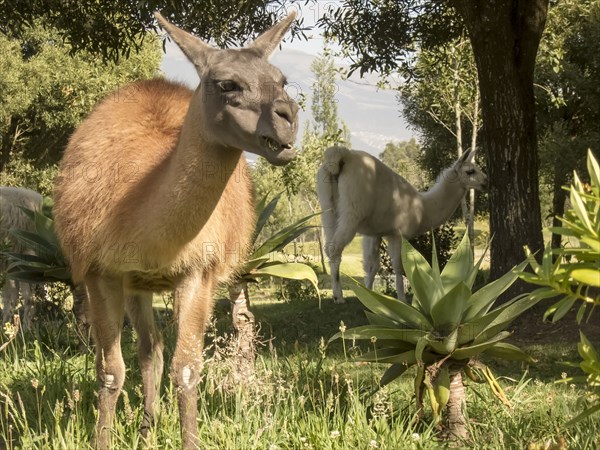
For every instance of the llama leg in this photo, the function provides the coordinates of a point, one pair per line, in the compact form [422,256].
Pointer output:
[10,299]
[342,237]
[371,262]
[193,305]
[81,311]
[328,219]
[150,347]
[106,317]
[395,251]
[26,291]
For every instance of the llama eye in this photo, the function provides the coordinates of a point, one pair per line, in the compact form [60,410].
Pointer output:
[228,86]
[470,171]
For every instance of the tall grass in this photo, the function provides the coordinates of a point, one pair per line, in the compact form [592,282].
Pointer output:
[302,396]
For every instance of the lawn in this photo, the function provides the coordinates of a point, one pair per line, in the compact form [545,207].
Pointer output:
[304,393]
[301,396]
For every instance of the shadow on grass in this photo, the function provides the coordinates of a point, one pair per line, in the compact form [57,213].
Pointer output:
[301,324]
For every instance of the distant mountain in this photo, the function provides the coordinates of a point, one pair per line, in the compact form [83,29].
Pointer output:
[372,114]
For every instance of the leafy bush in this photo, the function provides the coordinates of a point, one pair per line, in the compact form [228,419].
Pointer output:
[442,238]
[295,290]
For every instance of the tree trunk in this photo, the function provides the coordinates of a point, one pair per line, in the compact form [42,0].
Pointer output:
[559,196]
[243,330]
[456,423]
[458,129]
[474,133]
[471,220]
[505,35]
[7,143]
[80,300]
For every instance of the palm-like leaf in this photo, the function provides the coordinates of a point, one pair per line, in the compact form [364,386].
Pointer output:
[44,260]
[574,275]
[263,260]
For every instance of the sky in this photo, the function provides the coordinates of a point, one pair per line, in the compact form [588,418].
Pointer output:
[371,114]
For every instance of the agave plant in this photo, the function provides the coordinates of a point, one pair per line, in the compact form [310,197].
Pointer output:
[590,365]
[443,331]
[574,272]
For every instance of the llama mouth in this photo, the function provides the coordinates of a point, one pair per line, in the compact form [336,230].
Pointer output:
[273,145]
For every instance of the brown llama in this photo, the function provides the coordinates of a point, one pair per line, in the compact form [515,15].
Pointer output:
[154,194]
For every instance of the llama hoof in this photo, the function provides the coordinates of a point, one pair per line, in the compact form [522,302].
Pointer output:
[339,300]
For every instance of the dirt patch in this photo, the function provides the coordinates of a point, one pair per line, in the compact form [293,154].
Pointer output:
[530,329]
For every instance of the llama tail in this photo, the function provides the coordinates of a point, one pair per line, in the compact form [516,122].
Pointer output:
[334,159]
[327,187]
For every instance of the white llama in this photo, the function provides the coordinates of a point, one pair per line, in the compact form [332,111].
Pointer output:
[12,199]
[360,194]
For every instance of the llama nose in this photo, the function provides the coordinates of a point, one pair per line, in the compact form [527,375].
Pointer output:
[286,111]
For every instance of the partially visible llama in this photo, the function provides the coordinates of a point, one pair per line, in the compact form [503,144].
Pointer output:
[167,204]
[360,194]
[13,217]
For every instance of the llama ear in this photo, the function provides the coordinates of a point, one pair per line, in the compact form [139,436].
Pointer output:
[194,49]
[270,39]
[465,157]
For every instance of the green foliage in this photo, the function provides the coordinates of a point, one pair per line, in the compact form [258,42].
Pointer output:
[114,28]
[45,92]
[402,158]
[573,272]
[295,291]
[446,86]
[590,365]
[446,327]
[574,275]
[568,101]
[263,260]
[383,36]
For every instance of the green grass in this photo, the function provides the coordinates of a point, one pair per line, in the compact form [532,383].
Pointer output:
[299,398]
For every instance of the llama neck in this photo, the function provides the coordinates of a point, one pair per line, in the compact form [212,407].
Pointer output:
[440,202]
[196,179]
